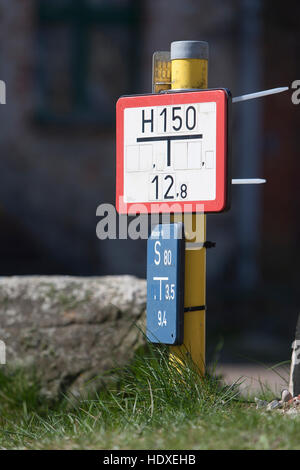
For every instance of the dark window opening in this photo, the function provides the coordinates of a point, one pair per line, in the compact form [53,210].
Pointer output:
[86,58]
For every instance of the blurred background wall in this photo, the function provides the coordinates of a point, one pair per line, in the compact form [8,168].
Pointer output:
[66,62]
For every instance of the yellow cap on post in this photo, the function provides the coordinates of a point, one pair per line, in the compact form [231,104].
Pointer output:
[189,64]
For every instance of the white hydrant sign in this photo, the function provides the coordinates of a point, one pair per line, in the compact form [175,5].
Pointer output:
[172,149]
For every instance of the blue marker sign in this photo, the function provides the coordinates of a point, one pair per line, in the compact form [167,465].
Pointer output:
[165,284]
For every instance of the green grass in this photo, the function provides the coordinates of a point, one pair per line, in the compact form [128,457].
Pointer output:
[150,405]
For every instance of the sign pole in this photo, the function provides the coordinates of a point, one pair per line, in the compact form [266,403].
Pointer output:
[189,69]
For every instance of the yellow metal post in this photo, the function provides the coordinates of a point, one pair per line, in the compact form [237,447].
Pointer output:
[189,69]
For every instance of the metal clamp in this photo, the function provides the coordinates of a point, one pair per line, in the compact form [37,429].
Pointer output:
[208,244]
[200,245]
[195,309]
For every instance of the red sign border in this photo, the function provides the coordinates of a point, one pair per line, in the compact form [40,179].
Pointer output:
[220,96]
